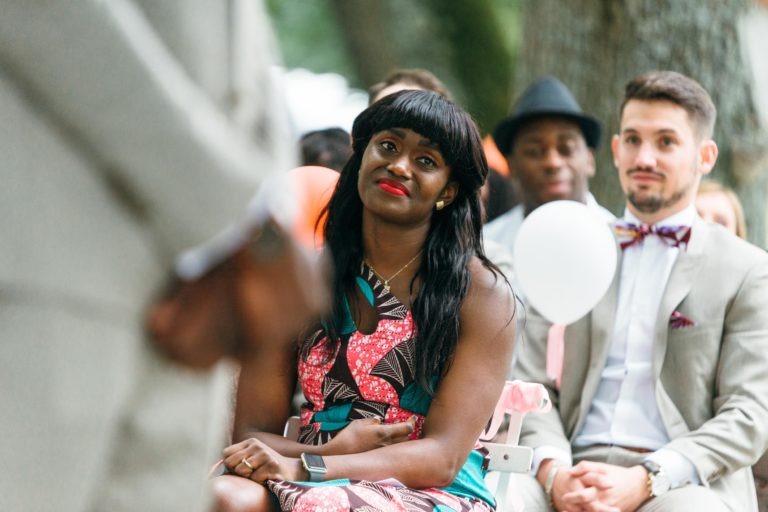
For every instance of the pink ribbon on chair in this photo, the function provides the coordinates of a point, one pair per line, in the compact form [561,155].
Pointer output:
[517,397]
[555,353]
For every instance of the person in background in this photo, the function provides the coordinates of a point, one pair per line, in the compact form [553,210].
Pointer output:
[126,139]
[548,142]
[719,204]
[330,147]
[401,79]
[499,195]
[664,393]
[420,316]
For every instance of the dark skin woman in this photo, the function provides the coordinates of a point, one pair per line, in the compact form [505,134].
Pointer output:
[404,373]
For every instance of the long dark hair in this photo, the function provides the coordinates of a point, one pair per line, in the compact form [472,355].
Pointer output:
[454,236]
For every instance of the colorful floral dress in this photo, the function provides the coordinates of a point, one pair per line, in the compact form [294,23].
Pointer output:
[372,375]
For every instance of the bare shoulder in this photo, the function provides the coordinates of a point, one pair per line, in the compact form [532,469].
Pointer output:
[487,315]
[489,290]
[485,280]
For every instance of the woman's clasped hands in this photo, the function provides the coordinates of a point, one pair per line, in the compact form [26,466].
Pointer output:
[254,460]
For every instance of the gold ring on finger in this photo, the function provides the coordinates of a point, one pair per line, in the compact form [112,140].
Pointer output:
[247,464]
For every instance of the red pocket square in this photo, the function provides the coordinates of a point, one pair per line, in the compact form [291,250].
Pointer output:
[680,321]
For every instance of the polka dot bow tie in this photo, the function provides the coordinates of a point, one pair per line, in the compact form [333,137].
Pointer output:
[630,234]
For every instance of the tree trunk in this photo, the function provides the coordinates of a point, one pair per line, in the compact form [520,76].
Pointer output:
[363,24]
[461,41]
[479,56]
[596,46]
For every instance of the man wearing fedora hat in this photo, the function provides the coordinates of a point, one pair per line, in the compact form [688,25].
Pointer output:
[548,143]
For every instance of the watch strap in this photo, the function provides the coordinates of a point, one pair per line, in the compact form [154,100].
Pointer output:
[655,472]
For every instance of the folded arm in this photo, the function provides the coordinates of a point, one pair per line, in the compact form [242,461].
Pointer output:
[461,407]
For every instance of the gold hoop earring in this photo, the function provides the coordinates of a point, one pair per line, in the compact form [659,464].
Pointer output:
[439,205]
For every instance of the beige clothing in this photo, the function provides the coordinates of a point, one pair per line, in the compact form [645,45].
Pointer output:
[689,497]
[121,145]
[711,383]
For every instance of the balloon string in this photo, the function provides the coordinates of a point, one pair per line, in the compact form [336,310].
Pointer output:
[555,353]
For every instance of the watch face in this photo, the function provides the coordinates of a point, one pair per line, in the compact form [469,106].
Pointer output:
[313,462]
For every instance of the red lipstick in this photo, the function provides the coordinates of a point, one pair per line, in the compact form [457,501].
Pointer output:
[393,187]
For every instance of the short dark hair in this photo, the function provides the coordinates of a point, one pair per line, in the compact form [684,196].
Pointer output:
[420,78]
[680,90]
[330,147]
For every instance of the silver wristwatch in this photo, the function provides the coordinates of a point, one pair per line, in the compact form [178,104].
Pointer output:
[658,481]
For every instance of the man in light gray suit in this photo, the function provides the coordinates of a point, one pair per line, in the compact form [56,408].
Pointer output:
[664,394]
[131,130]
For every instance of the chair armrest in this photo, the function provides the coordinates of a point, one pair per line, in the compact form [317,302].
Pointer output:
[291,429]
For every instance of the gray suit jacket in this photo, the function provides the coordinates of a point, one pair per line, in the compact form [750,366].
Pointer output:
[126,136]
[712,377]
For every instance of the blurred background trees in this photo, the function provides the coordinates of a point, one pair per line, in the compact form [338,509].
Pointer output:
[469,44]
[487,51]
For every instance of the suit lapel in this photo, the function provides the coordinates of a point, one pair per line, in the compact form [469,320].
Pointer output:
[678,287]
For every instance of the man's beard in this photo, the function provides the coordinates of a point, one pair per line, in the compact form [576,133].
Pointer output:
[652,203]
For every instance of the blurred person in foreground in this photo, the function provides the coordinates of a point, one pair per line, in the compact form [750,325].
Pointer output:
[664,394]
[420,317]
[126,139]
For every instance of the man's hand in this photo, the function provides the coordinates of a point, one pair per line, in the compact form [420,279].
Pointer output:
[193,323]
[619,488]
[280,287]
[263,295]
[368,434]
[570,494]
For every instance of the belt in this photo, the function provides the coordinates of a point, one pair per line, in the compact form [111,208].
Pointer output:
[628,448]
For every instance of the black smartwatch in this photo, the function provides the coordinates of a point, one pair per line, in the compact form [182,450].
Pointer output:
[658,481]
[315,466]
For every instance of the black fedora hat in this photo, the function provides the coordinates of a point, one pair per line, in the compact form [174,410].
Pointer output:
[545,97]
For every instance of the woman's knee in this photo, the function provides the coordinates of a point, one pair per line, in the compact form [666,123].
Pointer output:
[237,494]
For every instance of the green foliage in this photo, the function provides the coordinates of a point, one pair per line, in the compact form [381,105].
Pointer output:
[469,44]
[309,37]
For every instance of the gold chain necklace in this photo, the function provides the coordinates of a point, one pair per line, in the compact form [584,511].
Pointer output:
[385,282]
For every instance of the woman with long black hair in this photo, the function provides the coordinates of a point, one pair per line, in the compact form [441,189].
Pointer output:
[405,371]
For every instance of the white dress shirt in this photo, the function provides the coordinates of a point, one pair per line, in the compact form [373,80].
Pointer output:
[624,411]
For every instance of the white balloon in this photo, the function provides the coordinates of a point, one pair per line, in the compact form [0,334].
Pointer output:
[565,259]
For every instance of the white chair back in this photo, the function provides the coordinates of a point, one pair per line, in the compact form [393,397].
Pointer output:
[517,399]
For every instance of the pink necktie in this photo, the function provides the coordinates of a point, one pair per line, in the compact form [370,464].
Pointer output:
[630,234]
